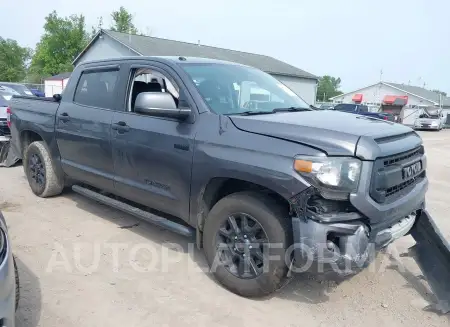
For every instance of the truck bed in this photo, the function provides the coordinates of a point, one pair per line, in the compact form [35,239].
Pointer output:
[30,106]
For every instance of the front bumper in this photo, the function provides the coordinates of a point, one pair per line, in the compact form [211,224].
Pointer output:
[7,292]
[426,127]
[342,248]
[7,284]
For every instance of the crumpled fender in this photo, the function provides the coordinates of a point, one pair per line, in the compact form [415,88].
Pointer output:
[7,156]
[432,254]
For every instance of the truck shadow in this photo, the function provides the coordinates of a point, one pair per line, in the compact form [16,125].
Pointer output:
[156,234]
[304,287]
[29,311]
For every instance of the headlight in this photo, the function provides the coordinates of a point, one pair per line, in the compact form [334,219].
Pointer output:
[335,177]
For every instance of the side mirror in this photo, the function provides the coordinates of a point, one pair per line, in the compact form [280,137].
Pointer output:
[159,104]
[57,97]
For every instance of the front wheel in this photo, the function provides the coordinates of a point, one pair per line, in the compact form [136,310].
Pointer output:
[41,175]
[246,235]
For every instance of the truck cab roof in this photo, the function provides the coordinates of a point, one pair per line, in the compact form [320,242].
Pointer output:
[164,59]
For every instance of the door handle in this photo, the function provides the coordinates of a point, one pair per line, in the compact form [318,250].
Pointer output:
[64,117]
[120,127]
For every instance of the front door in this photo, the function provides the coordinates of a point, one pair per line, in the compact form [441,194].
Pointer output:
[83,129]
[153,156]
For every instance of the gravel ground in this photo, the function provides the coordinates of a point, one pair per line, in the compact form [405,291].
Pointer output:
[82,263]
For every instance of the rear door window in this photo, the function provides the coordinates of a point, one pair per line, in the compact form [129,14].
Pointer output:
[97,89]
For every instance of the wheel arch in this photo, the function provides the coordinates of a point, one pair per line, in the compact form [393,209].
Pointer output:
[220,187]
[27,137]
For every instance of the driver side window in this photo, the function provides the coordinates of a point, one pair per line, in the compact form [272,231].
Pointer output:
[149,80]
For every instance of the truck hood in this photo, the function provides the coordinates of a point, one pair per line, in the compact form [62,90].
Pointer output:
[335,133]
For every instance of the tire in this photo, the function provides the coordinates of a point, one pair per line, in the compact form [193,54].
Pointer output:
[275,222]
[16,274]
[48,184]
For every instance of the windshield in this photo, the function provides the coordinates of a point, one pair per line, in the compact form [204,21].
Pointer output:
[233,89]
[20,88]
[429,116]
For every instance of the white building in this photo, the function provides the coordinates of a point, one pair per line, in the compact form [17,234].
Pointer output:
[55,84]
[109,44]
[387,94]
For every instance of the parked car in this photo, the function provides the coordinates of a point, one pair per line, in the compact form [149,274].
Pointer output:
[359,109]
[6,95]
[9,279]
[37,93]
[22,89]
[430,119]
[388,116]
[249,182]
[327,106]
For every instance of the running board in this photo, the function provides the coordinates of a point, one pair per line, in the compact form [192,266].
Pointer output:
[432,254]
[139,213]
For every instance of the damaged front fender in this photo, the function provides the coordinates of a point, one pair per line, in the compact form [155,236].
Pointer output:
[7,155]
[432,254]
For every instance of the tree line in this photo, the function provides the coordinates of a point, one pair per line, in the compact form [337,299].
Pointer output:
[63,39]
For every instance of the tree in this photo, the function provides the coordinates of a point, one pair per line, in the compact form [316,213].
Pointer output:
[13,60]
[328,87]
[440,92]
[97,28]
[123,21]
[63,39]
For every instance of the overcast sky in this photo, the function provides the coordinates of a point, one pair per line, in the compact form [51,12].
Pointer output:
[409,40]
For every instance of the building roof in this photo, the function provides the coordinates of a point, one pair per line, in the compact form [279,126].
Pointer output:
[58,77]
[420,92]
[417,91]
[153,46]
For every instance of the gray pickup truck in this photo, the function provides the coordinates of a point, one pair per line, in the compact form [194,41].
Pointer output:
[266,185]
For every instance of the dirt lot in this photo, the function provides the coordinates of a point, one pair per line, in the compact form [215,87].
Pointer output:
[83,264]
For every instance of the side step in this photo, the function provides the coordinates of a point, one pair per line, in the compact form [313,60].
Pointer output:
[144,215]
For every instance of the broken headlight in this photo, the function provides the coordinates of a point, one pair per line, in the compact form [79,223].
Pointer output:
[334,177]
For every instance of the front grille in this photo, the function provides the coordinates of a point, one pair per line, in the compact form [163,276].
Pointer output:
[402,157]
[398,188]
[388,182]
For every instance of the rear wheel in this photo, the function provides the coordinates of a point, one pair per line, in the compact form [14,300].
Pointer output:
[39,170]
[241,233]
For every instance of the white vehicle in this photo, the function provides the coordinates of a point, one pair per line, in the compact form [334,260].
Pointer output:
[6,94]
[431,119]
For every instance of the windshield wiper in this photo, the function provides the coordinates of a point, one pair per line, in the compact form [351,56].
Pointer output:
[291,109]
[251,113]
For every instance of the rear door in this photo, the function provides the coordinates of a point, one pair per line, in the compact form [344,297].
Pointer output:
[153,155]
[83,127]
